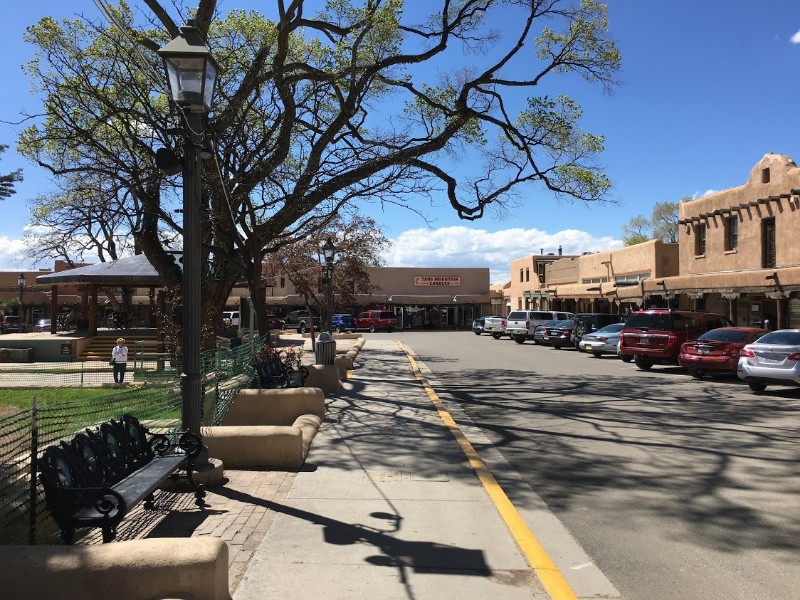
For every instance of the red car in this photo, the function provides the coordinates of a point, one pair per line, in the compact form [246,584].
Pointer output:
[717,350]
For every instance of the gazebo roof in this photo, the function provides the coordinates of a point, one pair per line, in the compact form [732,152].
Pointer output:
[130,270]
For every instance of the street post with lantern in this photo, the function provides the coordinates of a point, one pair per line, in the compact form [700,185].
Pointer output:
[192,74]
[328,251]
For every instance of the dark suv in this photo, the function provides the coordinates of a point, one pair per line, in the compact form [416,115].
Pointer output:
[655,336]
[301,320]
[10,323]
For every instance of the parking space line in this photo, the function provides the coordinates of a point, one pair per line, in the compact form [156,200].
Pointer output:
[534,552]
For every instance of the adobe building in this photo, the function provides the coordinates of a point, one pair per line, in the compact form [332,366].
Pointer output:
[738,256]
[611,281]
[527,289]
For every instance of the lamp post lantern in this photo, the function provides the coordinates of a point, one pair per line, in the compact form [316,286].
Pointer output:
[21,287]
[191,74]
[328,251]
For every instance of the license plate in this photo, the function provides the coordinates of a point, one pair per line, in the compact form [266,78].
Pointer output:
[587,346]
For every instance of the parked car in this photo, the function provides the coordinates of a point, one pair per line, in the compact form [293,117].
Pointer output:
[10,324]
[772,359]
[717,350]
[521,324]
[539,331]
[603,341]
[495,326]
[342,322]
[559,333]
[231,318]
[42,325]
[301,320]
[373,320]
[655,336]
[591,322]
[275,322]
[478,325]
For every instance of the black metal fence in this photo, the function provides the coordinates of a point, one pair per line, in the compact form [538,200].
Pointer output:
[25,434]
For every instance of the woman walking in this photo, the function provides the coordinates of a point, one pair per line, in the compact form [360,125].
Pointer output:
[119,358]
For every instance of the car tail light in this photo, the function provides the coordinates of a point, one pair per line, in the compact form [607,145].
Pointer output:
[746,353]
[527,324]
[794,356]
[672,339]
[601,338]
[503,323]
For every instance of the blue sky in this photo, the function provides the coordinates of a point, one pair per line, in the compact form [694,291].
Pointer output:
[707,88]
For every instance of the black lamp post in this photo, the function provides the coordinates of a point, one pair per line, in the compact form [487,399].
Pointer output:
[192,74]
[21,287]
[328,251]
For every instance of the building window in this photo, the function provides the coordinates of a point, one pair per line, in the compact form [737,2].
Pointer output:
[700,240]
[527,274]
[765,175]
[520,276]
[731,233]
[769,253]
[283,282]
[540,271]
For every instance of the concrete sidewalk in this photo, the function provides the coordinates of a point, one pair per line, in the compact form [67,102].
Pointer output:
[387,506]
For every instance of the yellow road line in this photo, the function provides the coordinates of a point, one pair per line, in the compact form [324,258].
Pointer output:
[537,557]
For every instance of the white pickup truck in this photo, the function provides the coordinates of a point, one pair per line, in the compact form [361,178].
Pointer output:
[495,326]
[521,324]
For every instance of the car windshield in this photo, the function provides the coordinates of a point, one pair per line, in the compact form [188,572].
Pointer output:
[565,323]
[724,335]
[781,338]
[613,328]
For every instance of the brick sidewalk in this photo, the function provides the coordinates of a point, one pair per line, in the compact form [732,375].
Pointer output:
[239,512]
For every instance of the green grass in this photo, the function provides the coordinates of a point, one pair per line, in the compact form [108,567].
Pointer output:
[23,398]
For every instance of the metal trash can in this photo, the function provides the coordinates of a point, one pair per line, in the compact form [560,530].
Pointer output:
[325,349]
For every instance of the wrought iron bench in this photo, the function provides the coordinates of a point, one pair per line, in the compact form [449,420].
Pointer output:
[96,478]
[272,373]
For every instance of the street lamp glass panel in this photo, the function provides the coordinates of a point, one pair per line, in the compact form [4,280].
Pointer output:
[21,280]
[209,83]
[328,251]
[186,80]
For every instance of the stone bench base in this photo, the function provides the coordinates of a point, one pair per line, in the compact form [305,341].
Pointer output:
[150,569]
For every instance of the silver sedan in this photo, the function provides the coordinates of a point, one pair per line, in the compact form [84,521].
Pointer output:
[602,341]
[773,359]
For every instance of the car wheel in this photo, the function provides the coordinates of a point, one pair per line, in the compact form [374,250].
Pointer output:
[555,347]
[372,328]
[519,339]
[597,354]
[496,336]
[476,332]
[626,358]
[302,328]
[697,373]
[643,362]
[757,386]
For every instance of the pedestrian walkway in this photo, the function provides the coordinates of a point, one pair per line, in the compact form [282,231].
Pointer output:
[388,505]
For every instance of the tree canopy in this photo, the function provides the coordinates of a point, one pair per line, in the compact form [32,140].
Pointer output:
[362,102]
[662,225]
[8,180]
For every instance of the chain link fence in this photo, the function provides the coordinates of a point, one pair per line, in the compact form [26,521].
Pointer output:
[25,434]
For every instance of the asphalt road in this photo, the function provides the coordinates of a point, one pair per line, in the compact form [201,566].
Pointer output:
[678,489]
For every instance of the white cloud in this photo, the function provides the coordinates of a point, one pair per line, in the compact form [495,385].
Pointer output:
[699,194]
[465,247]
[12,254]
[795,39]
